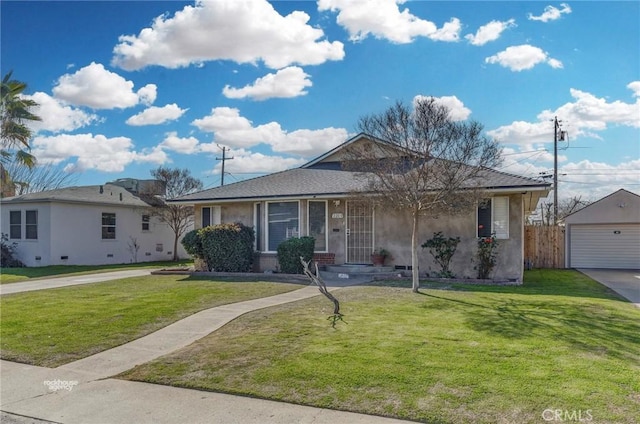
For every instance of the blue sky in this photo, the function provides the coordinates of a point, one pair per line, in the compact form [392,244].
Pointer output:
[124,87]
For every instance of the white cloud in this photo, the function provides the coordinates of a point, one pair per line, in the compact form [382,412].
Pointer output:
[635,87]
[247,162]
[551,13]
[57,116]
[519,58]
[92,152]
[244,31]
[384,19]
[286,83]
[586,115]
[98,88]
[489,32]
[157,115]
[186,146]
[457,110]
[236,131]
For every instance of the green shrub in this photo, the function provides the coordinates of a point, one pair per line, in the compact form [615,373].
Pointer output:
[289,252]
[487,255]
[442,249]
[227,247]
[192,244]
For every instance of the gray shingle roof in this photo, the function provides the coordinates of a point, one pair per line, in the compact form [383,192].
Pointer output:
[110,195]
[307,182]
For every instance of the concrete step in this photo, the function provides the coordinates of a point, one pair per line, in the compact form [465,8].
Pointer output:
[359,269]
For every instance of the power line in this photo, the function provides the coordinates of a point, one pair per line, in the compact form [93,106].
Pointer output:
[223,159]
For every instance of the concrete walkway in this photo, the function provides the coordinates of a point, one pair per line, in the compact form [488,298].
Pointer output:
[70,280]
[82,392]
[624,282]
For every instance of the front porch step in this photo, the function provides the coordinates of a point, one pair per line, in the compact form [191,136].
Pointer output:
[356,274]
[359,269]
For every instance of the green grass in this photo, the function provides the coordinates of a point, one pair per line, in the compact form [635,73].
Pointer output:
[470,354]
[16,275]
[56,326]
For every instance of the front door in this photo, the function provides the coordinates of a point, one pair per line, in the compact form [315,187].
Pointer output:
[359,232]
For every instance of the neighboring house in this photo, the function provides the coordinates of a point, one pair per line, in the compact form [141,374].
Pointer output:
[605,234]
[317,200]
[91,225]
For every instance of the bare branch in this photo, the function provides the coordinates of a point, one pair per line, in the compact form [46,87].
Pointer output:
[317,280]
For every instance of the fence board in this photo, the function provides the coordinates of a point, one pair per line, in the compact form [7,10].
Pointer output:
[544,246]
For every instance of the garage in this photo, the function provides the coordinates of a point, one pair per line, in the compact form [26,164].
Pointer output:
[605,246]
[605,234]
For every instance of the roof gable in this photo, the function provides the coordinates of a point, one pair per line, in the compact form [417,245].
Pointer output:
[618,207]
[107,194]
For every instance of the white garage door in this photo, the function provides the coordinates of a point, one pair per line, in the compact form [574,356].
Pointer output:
[605,246]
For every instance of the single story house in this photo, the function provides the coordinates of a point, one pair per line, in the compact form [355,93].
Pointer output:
[317,200]
[89,225]
[605,234]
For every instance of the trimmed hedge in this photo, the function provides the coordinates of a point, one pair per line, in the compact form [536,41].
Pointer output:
[224,247]
[192,244]
[289,252]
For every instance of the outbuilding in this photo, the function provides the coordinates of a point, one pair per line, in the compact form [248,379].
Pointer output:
[605,234]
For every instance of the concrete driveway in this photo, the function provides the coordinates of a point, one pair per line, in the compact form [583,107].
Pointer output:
[624,282]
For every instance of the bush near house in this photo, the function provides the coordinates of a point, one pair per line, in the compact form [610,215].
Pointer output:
[224,247]
[289,252]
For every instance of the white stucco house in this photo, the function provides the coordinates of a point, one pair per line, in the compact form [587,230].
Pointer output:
[89,225]
[605,234]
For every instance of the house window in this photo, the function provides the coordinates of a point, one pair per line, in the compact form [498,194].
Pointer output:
[15,224]
[108,226]
[257,225]
[493,217]
[146,219]
[282,223]
[318,224]
[31,225]
[210,215]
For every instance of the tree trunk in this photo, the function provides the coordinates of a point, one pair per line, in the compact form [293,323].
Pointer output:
[415,272]
[175,248]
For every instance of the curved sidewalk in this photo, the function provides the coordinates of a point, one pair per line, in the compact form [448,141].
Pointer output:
[70,280]
[81,392]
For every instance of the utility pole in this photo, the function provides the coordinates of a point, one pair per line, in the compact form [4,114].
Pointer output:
[558,135]
[224,158]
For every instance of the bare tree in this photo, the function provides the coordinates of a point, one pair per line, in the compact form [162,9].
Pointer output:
[39,178]
[179,218]
[423,162]
[565,207]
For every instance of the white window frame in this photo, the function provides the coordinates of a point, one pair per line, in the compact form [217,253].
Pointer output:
[504,217]
[266,221]
[27,225]
[18,225]
[103,226]
[215,213]
[326,223]
[146,220]
[258,225]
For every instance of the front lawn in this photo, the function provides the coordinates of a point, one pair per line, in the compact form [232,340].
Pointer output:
[16,275]
[56,326]
[465,355]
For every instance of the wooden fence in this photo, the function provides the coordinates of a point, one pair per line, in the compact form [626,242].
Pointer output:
[543,246]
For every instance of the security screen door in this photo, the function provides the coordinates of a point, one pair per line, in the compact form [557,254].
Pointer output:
[359,232]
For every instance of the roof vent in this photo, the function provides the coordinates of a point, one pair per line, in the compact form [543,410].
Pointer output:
[101,189]
[121,197]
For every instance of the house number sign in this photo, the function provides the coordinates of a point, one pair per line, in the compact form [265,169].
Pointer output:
[337,216]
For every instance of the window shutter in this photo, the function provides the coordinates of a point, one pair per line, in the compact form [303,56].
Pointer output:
[501,217]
